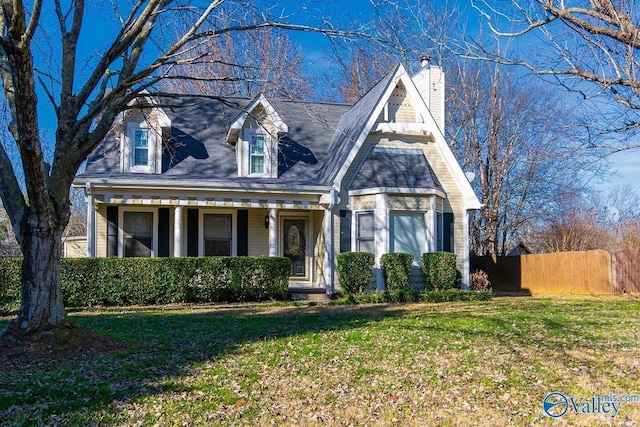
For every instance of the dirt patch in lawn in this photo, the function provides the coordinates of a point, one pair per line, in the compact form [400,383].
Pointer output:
[47,348]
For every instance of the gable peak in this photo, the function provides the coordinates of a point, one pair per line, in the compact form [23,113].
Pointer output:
[259,110]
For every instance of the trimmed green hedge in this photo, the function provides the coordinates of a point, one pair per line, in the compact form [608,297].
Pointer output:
[137,281]
[440,270]
[414,295]
[10,280]
[355,270]
[396,269]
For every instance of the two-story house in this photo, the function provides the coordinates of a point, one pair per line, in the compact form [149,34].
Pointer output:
[196,176]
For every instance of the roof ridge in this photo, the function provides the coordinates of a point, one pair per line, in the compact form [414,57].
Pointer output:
[348,128]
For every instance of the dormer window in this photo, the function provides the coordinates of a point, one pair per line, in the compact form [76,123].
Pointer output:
[255,150]
[257,154]
[140,132]
[255,134]
[141,145]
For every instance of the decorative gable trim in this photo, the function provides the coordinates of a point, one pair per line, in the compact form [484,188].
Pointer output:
[404,129]
[425,121]
[259,101]
[145,102]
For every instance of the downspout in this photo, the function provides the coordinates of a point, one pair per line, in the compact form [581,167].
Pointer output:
[466,273]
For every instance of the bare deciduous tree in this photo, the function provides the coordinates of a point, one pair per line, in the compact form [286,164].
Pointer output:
[587,47]
[403,33]
[618,211]
[358,69]
[604,220]
[87,94]
[519,140]
[244,64]
[575,230]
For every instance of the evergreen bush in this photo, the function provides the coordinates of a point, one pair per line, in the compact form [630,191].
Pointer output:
[355,270]
[440,270]
[396,270]
[147,281]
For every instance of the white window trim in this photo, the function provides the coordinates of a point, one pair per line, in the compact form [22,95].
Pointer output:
[129,150]
[245,157]
[154,239]
[265,152]
[134,148]
[234,228]
[309,238]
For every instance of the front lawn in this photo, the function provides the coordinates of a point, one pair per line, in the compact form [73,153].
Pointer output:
[461,363]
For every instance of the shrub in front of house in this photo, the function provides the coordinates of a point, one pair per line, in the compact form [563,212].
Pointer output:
[408,295]
[146,281]
[123,281]
[355,271]
[10,280]
[479,281]
[396,269]
[440,270]
[240,279]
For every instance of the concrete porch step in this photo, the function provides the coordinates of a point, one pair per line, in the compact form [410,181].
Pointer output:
[309,294]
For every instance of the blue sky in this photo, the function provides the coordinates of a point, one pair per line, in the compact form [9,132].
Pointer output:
[626,166]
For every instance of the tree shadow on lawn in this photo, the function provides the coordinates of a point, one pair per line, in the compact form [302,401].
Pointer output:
[162,346]
[156,345]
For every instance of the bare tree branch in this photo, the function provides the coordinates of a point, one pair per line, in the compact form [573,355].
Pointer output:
[33,23]
[589,48]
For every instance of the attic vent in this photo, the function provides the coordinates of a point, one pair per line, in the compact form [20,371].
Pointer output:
[400,109]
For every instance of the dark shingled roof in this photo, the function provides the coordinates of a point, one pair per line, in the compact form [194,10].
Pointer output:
[318,143]
[393,167]
[198,149]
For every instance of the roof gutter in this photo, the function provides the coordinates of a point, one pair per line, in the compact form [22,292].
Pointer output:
[193,185]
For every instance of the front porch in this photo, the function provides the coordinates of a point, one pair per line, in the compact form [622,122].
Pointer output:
[161,226]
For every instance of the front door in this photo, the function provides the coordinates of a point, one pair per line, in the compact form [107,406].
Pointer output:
[294,244]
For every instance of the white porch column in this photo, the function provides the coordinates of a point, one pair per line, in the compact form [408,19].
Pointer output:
[329,261]
[177,232]
[432,226]
[91,222]
[466,267]
[273,232]
[381,235]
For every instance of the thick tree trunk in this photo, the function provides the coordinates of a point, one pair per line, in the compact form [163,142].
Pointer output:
[41,291]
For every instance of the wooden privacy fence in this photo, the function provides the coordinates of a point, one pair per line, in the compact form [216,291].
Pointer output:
[588,272]
[627,270]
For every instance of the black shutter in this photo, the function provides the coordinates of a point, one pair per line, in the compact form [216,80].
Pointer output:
[192,232]
[243,232]
[112,231]
[447,225]
[163,232]
[345,231]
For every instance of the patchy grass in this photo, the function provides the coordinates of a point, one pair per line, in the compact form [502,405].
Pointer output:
[461,363]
